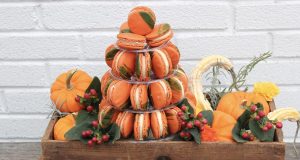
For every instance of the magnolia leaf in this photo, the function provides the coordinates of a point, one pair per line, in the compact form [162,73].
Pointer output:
[242,122]
[84,116]
[208,115]
[95,84]
[114,133]
[185,102]
[267,136]
[195,134]
[75,132]
[236,134]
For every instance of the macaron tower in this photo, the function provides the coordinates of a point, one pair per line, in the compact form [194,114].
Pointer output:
[145,82]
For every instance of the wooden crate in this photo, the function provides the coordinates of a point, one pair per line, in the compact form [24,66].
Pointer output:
[164,150]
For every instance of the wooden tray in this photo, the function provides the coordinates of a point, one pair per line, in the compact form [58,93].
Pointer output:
[162,150]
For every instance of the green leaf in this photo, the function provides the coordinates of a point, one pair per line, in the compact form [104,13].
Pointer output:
[186,103]
[148,19]
[242,122]
[95,84]
[195,134]
[208,115]
[84,116]
[75,132]
[114,133]
[259,133]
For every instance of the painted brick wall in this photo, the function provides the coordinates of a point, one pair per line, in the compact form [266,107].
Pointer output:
[40,39]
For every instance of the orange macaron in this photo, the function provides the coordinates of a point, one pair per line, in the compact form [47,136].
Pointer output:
[139,97]
[125,121]
[180,74]
[141,20]
[173,53]
[131,41]
[105,82]
[177,89]
[159,124]
[160,94]
[141,126]
[174,121]
[118,94]
[161,63]
[107,115]
[124,64]
[161,34]
[125,28]
[110,53]
[143,66]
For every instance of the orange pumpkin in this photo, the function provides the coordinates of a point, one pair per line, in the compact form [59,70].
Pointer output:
[221,129]
[231,103]
[66,87]
[62,126]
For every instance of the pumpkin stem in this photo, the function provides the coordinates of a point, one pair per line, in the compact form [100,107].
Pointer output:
[69,77]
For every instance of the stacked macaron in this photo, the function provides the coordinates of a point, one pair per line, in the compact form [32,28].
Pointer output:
[142,89]
[143,50]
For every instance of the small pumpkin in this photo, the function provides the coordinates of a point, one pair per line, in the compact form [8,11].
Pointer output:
[66,87]
[221,129]
[230,103]
[62,126]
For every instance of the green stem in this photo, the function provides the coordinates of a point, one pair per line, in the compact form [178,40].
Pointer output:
[69,77]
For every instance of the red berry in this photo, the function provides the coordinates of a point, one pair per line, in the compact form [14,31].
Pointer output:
[93,92]
[245,135]
[99,141]
[77,99]
[89,108]
[95,123]
[253,108]
[182,134]
[183,123]
[89,133]
[187,135]
[261,114]
[279,125]
[105,138]
[183,108]
[200,115]
[182,117]
[265,129]
[204,121]
[86,96]
[197,123]
[189,125]
[90,143]
[269,125]
[83,134]
[94,139]
[180,113]
[191,116]
[251,138]
[257,118]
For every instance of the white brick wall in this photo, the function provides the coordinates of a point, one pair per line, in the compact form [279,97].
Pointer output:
[40,39]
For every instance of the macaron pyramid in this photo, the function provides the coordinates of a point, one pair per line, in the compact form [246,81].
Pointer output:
[145,83]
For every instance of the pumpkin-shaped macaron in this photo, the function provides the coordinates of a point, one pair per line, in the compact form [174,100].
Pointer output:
[125,122]
[105,82]
[161,34]
[141,126]
[180,74]
[159,124]
[62,126]
[123,64]
[141,20]
[131,41]
[143,66]
[173,53]
[125,28]
[230,103]
[139,97]
[161,63]
[67,87]
[177,89]
[110,53]
[118,94]
[107,115]
[160,94]
[174,121]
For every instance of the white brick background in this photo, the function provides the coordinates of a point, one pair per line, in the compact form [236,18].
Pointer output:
[40,39]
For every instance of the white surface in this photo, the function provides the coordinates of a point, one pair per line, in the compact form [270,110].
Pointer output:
[40,39]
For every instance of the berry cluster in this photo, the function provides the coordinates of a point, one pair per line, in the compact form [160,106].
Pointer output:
[189,121]
[95,137]
[246,134]
[88,100]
